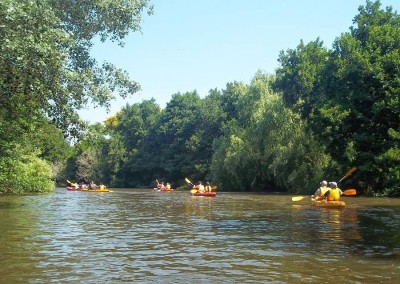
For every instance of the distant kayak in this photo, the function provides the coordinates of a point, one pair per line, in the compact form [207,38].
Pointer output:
[328,204]
[207,194]
[73,188]
[89,190]
[164,190]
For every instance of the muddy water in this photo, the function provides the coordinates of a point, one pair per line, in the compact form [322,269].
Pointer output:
[154,237]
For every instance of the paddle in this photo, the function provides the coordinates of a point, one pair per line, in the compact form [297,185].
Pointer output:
[188,181]
[73,184]
[351,191]
[193,191]
[352,170]
[214,187]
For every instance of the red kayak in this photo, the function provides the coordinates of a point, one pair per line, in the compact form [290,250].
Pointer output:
[73,188]
[207,194]
[163,190]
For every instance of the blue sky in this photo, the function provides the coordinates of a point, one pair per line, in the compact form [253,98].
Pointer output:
[204,44]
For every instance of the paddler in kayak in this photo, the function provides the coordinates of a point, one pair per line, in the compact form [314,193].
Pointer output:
[334,193]
[199,187]
[92,185]
[320,193]
[207,188]
[168,186]
[162,186]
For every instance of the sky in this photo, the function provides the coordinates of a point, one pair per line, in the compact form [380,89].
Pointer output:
[200,45]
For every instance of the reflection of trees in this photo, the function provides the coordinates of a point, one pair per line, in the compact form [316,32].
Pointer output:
[18,228]
[379,229]
[324,228]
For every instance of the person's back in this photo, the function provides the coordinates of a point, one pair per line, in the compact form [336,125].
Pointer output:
[321,191]
[334,192]
[92,185]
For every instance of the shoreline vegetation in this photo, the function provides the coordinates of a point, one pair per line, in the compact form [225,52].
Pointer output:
[324,111]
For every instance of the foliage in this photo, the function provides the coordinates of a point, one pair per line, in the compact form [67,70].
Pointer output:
[357,85]
[47,73]
[273,150]
[24,173]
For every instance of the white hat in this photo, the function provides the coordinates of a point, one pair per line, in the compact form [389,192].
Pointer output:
[333,183]
[324,182]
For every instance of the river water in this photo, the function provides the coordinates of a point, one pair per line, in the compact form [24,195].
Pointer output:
[143,236]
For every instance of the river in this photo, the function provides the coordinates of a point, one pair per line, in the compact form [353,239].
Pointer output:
[143,236]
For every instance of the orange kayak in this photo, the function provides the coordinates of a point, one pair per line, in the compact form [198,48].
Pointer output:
[328,204]
[208,194]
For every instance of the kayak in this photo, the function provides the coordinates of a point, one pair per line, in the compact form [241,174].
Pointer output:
[328,204]
[73,188]
[163,190]
[86,189]
[97,190]
[207,194]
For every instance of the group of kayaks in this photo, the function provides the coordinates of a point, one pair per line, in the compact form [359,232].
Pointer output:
[192,192]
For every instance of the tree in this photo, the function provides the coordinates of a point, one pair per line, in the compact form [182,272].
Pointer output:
[367,88]
[271,148]
[46,71]
[349,96]
[45,63]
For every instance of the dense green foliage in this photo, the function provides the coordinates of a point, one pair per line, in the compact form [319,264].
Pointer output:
[47,74]
[350,96]
[323,112]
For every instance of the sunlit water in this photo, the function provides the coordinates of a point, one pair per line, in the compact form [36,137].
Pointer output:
[154,237]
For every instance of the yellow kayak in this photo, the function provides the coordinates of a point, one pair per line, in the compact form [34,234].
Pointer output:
[97,190]
[328,204]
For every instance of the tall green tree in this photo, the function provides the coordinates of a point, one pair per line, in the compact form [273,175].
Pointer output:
[46,70]
[271,148]
[367,95]
[349,96]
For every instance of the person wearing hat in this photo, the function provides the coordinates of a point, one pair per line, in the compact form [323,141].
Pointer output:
[334,193]
[199,187]
[207,187]
[320,193]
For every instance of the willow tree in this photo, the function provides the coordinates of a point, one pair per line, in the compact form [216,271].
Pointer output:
[46,70]
[270,148]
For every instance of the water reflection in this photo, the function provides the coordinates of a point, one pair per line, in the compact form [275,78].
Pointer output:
[145,236]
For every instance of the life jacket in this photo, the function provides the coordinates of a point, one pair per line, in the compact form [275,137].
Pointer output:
[201,188]
[168,186]
[334,194]
[323,190]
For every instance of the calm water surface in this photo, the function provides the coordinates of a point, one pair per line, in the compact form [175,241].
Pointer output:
[154,237]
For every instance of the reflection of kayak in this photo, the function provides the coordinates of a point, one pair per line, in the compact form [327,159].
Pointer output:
[328,204]
[97,190]
[208,194]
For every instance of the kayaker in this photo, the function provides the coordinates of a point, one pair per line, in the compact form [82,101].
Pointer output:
[162,187]
[92,185]
[334,193]
[320,193]
[208,187]
[168,186]
[199,187]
